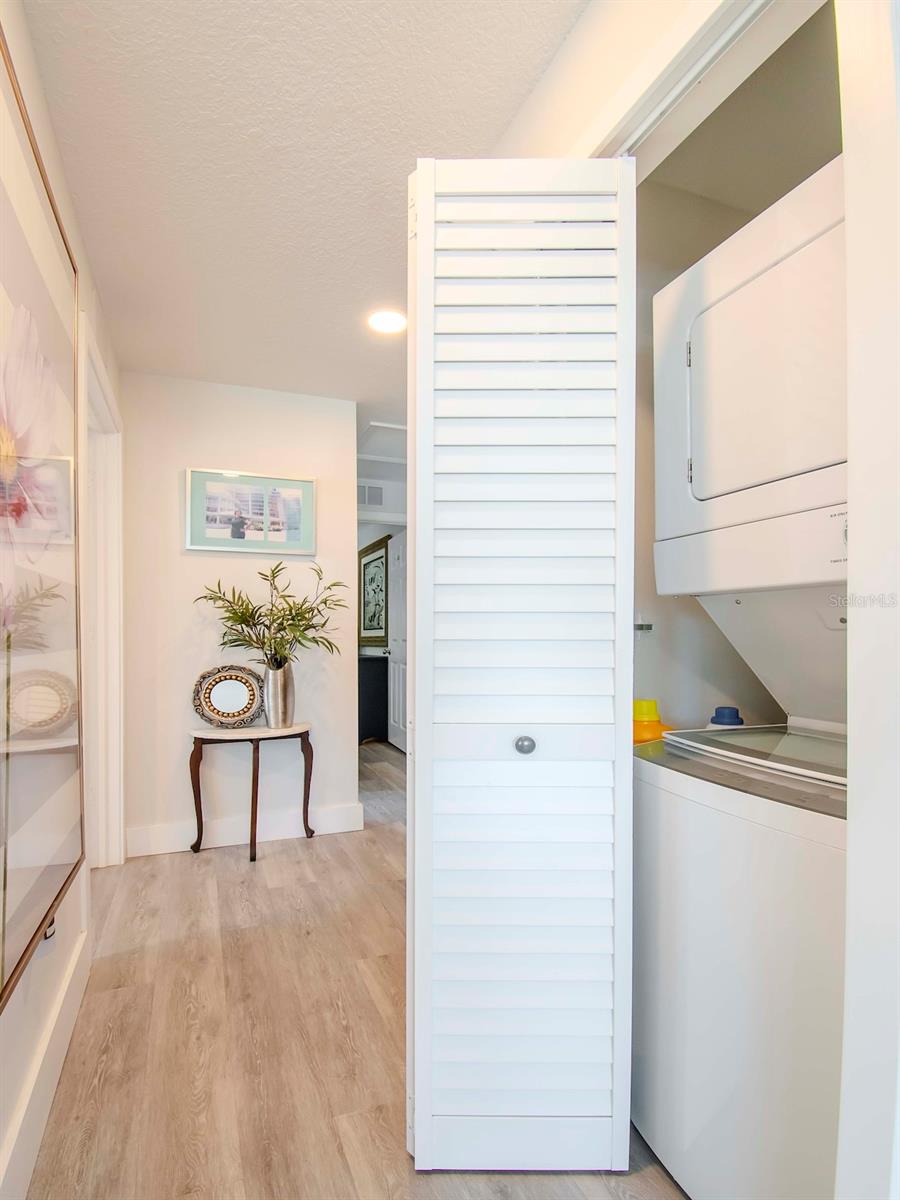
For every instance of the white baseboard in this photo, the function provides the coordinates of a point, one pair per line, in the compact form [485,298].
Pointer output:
[25,1124]
[274,826]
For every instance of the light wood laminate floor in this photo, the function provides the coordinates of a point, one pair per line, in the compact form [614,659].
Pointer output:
[242,1034]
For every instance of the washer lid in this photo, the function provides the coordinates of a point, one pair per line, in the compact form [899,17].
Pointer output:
[777,748]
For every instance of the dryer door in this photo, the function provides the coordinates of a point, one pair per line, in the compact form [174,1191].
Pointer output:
[750,370]
[768,374]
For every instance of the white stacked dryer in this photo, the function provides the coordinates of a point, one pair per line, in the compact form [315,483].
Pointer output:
[740,834]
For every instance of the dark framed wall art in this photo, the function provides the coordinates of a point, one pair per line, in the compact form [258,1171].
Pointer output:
[373,593]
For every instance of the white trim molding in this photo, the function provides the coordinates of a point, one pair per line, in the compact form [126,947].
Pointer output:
[868,37]
[620,68]
[703,42]
[714,73]
[102,613]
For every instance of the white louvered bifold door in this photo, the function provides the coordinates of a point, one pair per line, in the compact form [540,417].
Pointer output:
[522,313]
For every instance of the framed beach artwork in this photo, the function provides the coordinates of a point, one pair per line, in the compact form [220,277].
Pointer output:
[41,824]
[252,514]
[373,593]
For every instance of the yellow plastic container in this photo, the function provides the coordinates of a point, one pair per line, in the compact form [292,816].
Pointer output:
[647,725]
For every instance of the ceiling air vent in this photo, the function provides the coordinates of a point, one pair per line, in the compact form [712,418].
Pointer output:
[369,496]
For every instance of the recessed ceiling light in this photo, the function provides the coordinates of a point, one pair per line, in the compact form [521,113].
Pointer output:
[387,321]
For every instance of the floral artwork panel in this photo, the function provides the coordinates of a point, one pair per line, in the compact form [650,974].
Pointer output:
[38,504]
[40,734]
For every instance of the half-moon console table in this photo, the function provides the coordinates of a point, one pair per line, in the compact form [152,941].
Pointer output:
[253,735]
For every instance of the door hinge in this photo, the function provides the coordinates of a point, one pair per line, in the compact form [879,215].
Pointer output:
[689,354]
[690,470]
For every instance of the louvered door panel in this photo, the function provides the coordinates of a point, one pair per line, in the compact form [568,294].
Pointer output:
[524,431]
[533,403]
[522,307]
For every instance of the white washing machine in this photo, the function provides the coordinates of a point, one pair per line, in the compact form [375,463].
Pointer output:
[739,835]
[739,942]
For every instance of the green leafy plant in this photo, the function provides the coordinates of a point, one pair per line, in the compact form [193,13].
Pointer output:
[280,628]
[22,614]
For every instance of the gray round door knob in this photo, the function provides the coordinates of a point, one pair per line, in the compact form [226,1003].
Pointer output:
[525,745]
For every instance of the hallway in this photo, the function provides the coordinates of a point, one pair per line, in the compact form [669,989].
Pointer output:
[242,1032]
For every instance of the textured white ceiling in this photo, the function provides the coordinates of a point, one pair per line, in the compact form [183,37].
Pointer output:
[239,168]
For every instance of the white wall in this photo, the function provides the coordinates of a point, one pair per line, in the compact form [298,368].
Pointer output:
[368,532]
[15,28]
[393,494]
[172,424]
[37,1022]
[685,662]
[616,50]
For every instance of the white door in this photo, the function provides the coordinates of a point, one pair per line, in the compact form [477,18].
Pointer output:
[397,640]
[522,299]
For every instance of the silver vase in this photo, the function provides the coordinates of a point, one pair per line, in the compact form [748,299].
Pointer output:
[278,696]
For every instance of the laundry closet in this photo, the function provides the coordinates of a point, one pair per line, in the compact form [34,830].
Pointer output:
[777,129]
[741,586]
[612,386]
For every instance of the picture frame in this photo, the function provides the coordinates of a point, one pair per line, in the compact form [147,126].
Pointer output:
[373,593]
[239,511]
[50,515]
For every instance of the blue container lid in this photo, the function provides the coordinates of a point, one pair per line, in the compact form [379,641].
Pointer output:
[726,715]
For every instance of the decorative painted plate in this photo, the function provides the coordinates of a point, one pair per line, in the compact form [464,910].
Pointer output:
[229,697]
[41,703]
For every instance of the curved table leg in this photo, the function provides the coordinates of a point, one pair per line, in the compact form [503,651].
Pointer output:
[195,760]
[254,799]
[306,747]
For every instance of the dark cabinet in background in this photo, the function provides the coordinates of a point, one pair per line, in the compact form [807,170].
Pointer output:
[373,697]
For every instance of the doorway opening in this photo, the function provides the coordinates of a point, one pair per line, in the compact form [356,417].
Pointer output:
[381,541]
[710,435]
[777,129]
